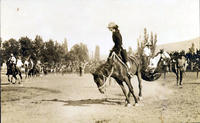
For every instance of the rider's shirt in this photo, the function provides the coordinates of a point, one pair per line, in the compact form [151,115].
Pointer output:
[19,63]
[181,62]
[31,63]
[13,60]
[147,51]
[117,39]
[26,63]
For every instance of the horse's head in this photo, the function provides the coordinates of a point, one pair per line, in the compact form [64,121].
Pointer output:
[156,61]
[100,82]
[164,55]
[102,73]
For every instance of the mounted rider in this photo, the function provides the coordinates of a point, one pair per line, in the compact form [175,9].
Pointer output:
[19,63]
[11,62]
[12,59]
[147,54]
[26,63]
[117,39]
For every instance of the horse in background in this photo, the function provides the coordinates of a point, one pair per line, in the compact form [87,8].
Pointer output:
[13,70]
[152,70]
[35,69]
[165,67]
[197,66]
[165,63]
[115,68]
[26,66]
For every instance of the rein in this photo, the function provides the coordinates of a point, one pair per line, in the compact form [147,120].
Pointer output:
[116,56]
[112,69]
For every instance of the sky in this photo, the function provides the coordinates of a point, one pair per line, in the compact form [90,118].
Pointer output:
[86,21]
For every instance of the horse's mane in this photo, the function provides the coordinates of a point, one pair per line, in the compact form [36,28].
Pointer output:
[103,69]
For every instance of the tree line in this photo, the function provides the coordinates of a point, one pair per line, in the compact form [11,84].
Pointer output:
[47,52]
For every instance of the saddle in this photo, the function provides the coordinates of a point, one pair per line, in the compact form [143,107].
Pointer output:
[130,59]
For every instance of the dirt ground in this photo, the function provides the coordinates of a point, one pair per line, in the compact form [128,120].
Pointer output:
[73,99]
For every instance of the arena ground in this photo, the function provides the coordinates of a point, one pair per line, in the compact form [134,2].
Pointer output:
[69,98]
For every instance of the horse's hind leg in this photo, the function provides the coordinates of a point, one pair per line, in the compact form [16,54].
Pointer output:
[139,85]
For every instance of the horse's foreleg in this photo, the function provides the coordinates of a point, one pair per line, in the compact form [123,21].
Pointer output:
[177,77]
[20,75]
[181,77]
[125,94]
[15,78]
[12,80]
[124,91]
[8,78]
[130,87]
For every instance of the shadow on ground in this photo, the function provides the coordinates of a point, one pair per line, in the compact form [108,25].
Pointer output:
[85,102]
[194,83]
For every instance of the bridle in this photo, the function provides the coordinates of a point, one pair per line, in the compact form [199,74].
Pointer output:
[106,78]
[113,56]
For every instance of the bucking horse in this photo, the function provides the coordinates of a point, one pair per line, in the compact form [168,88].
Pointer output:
[114,67]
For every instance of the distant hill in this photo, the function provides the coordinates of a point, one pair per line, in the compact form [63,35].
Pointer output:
[176,46]
[179,46]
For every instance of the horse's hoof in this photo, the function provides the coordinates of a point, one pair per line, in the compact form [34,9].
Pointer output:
[136,104]
[140,98]
[128,105]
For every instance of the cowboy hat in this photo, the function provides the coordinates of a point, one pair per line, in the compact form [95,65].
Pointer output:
[112,25]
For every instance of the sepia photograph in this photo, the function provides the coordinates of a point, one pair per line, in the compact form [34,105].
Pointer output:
[100,61]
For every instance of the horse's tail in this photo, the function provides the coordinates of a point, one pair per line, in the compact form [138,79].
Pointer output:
[150,76]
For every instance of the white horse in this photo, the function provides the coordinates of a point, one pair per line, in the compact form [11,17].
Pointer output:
[155,60]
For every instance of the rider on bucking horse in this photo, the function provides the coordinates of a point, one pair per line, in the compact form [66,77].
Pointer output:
[117,39]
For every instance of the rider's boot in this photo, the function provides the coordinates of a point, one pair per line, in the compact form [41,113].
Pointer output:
[128,66]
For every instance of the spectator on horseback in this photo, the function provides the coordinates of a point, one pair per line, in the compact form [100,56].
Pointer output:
[147,49]
[26,63]
[19,63]
[117,39]
[147,54]
[30,63]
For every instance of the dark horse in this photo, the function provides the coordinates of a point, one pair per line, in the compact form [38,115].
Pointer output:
[114,67]
[14,71]
[35,71]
